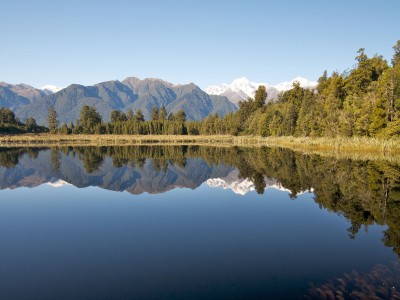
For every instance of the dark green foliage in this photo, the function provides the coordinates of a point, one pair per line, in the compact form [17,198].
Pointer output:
[260,97]
[180,116]
[7,116]
[117,116]
[154,114]
[163,114]
[171,116]
[52,121]
[139,116]
[129,114]
[396,55]
[10,124]
[364,101]
[64,129]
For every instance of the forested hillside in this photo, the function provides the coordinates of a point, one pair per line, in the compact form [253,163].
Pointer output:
[364,101]
[131,93]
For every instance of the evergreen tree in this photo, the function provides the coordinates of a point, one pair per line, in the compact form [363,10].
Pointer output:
[154,114]
[163,114]
[396,55]
[260,97]
[64,129]
[117,116]
[52,119]
[180,116]
[129,114]
[139,116]
[171,116]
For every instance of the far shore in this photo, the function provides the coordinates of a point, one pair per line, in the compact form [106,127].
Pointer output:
[320,143]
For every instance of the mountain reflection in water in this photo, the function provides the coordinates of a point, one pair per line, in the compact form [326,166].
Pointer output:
[365,192]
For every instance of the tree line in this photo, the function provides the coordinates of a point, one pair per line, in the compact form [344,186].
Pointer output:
[91,122]
[363,101]
[9,123]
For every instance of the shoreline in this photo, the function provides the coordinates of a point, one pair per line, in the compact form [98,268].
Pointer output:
[322,143]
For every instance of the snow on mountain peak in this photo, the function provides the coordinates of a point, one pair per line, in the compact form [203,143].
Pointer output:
[242,186]
[242,88]
[241,81]
[51,89]
[285,86]
[54,182]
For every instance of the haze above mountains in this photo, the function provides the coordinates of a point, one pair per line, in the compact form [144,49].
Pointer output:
[133,93]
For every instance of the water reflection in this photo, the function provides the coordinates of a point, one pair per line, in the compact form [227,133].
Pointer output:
[382,282]
[365,192]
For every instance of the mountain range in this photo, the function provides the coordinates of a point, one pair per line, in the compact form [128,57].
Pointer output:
[133,93]
[242,88]
[32,172]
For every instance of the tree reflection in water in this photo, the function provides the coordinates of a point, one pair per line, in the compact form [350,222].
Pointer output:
[364,190]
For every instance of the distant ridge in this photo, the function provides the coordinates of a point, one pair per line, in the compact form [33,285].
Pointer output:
[242,88]
[131,93]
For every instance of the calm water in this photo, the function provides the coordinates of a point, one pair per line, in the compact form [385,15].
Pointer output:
[196,223]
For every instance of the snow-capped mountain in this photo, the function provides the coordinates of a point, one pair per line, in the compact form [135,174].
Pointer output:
[285,86]
[50,89]
[242,88]
[55,182]
[239,185]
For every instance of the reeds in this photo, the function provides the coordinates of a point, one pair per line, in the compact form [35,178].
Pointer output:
[339,143]
[381,282]
[322,143]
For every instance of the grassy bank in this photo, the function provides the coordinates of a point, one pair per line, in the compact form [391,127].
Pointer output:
[336,144]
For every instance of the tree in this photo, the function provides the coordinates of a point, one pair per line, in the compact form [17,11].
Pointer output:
[30,122]
[260,97]
[89,118]
[129,114]
[52,119]
[396,55]
[163,114]
[117,116]
[171,116]
[139,116]
[55,157]
[64,129]
[7,116]
[180,116]
[154,114]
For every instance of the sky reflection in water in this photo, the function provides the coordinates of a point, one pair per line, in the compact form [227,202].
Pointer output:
[200,242]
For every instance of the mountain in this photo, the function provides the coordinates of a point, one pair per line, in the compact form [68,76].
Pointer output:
[14,96]
[32,172]
[241,186]
[131,93]
[50,89]
[241,89]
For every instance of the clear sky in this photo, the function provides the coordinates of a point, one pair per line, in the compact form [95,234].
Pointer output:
[205,42]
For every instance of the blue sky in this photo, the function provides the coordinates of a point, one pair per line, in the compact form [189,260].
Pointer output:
[205,42]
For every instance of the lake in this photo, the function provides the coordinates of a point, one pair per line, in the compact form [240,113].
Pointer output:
[191,222]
